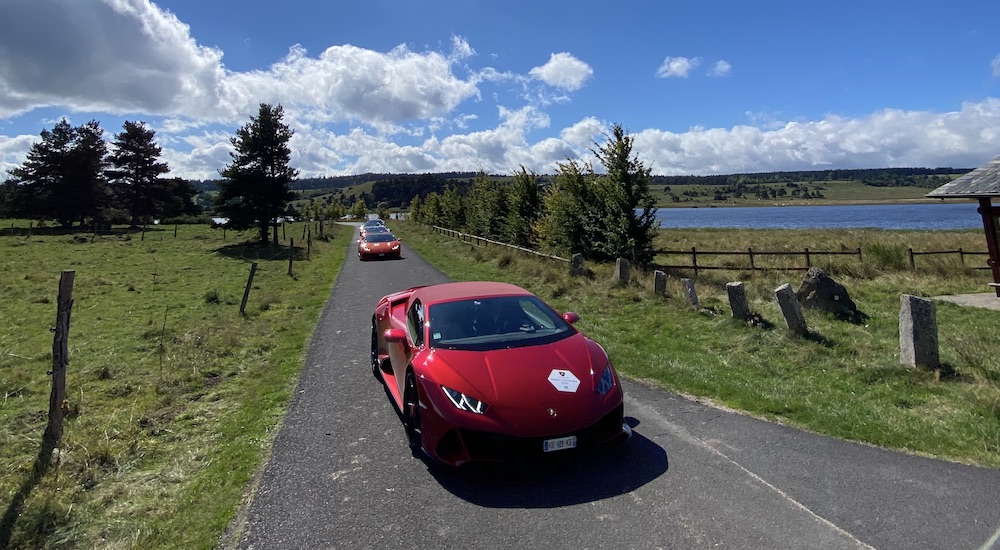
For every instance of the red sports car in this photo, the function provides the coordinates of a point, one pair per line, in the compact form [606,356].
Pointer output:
[483,371]
[379,245]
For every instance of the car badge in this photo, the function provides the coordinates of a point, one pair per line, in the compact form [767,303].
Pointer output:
[552,412]
[564,380]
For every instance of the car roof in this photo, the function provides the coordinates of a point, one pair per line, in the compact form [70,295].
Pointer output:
[469,289]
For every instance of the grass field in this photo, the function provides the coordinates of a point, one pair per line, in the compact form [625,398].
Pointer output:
[173,395]
[844,379]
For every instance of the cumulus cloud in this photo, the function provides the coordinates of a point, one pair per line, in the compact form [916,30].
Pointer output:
[679,67]
[720,68]
[115,56]
[563,71]
[888,138]
[996,65]
[129,56]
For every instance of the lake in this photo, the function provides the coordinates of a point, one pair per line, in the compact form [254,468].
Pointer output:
[928,216]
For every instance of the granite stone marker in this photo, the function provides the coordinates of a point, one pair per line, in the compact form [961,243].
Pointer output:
[918,332]
[791,309]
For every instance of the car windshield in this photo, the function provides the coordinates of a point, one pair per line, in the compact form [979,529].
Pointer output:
[380,238]
[484,324]
[372,223]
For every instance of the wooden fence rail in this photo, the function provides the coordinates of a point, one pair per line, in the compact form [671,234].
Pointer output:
[961,255]
[750,254]
[483,241]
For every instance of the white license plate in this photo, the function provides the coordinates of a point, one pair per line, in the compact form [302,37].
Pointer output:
[381,253]
[559,444]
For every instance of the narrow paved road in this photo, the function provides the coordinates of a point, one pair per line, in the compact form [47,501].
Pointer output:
[341,476]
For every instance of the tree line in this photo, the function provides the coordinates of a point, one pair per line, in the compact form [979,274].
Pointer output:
[602,216]
[73,176]
[878,177]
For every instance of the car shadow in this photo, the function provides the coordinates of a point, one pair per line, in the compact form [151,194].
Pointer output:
[559,480]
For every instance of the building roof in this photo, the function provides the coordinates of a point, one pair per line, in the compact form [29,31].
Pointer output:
[981,182]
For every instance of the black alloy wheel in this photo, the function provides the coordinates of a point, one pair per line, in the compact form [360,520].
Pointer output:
[374,352]
[411,414]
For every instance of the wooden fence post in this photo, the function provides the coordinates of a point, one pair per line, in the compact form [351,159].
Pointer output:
[750,251]
[910,252]
[291,254]
[246,293]
[694,260]
[808,261]
[60,358]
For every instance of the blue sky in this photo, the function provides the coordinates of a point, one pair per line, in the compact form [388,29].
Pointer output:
[704,87]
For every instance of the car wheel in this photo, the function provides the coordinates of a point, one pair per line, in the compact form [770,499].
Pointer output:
[411,414]
[374,352]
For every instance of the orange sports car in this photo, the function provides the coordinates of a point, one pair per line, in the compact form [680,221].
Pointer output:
[378,246]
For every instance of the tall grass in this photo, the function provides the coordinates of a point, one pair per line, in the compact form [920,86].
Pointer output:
[844,379]
[172,394]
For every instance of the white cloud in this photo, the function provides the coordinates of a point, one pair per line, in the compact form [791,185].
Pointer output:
[721,68]
[114,56]
[996,65]
[563,71]
[679,67]
[888,138]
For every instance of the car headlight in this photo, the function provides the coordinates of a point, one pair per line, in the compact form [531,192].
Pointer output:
[464,402]
[606,382]
[365,247]
[395,247]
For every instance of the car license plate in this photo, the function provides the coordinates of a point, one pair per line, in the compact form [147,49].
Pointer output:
[381,253]
[559,444]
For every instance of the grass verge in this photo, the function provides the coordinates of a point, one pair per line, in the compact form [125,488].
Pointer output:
[844,379]
[173,395]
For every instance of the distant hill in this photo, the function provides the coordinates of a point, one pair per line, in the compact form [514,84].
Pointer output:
[398,189]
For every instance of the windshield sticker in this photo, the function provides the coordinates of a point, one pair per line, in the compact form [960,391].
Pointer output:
[564,380]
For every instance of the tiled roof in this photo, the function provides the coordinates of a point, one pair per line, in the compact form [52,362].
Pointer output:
[981,182]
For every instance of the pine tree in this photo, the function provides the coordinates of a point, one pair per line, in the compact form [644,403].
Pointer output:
[256,189]
[135,173]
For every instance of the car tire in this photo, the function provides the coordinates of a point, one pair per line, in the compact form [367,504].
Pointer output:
[411,414]
[376,368]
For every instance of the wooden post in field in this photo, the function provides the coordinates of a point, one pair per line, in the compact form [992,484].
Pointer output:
[291,254]
[246,293]
[309,246]
[60,358]
[175,230]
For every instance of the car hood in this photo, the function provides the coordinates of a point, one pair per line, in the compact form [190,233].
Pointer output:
[527,384]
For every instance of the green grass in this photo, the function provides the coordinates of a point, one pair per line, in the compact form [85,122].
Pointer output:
[173,395]
[844,379]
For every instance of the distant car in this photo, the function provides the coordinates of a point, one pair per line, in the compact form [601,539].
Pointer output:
[485,371]
[379,245]
[374,230]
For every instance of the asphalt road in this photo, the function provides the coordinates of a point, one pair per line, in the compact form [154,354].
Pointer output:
[692,476]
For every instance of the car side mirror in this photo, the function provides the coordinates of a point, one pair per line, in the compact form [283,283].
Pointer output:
[394,335]
[570,317]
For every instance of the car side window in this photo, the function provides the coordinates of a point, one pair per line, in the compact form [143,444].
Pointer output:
[415,323]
